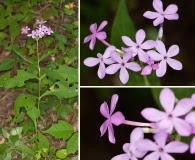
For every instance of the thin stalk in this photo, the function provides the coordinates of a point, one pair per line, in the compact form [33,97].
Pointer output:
[106,43]
[160,32]
[139,124]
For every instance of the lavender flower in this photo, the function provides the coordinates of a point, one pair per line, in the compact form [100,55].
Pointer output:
[160,149]
[25,30]
[101,60]
[171,117]
[169,13]
[138,47]
[40,22]
[116,118]
[148,69]
[165,57]
[130,149]
[96,34]
[122,65]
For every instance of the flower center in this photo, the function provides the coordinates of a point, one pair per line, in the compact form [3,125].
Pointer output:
[170,116]
[101,59]
[137,46]
[160,149]
[123,64]
[165,57]
[131,154]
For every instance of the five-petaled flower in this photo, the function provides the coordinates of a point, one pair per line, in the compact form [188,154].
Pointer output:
[151,66]
[116,118]
[25,30]
[139,46]
[169,13]
[96,34]
[165,57]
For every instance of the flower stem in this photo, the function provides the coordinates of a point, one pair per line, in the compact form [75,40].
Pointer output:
[139,124]
[106,43]
[160,32]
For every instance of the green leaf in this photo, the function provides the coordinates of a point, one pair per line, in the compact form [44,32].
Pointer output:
[61,130]
[43,141]
[69,11]
[14,29]
[72,145]
[54,12]
[3,148]
[5,133]
[61,38]
[16,131]
[3,23]
[62,153]
[2,36]
[6,64]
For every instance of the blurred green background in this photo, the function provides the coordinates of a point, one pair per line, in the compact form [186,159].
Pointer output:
[179,32]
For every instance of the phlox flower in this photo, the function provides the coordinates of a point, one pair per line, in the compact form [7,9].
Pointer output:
[96,33]
[122,64]
[116,118]
[160,149]
[40,22]
[101,60]
[169,13]
[132,152]
[165,57]
[139,46]
[25,30]
[151,66]
[171,118]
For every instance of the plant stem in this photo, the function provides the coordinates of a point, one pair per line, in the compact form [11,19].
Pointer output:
[106,43]
[132,123]
[160,32]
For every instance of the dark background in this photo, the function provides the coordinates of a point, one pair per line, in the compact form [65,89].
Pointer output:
[180,32]
[131,102]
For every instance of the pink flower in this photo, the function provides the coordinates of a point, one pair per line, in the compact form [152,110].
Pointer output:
[169,13]
[138,47]
[116,118]
[165,57]
[160,149]
[25,30]
[130,149]
[41,22]
[148,69]
[171,117]
[122,65]
[96,34]
[101,60]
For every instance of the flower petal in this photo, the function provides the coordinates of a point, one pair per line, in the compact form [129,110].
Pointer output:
[111,133]
[162,68]
[133,66]
[158,20]
[151,15]
[104,110]
[146,70]
[149,44]
[155,56]
[88,38]
[190,118]
[101,35]
[102,25]
[140,36]
[182,127]
[166,125]
[136,134]
[124,75]
[142,55]
[172,16]
[176,147]
[126,147]
[117,118]
[183,107]
[113,103]
[171,9]
[109,51]
[146,145]
[166,156]
[173,51]
[160,47]
[108,61]
[92,43]
[103,127]
[167,100]
[128,41]
[116,57]
[153,115]
[93,28]
[192,146]
[161,138]
[90,62]
[152,156]
[113,68]
[101,70]
[175,64]
[127,56]
[121,157]
[158,5]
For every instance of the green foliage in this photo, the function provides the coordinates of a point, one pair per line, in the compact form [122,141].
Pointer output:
[72,145]
[62,153]
[6,64]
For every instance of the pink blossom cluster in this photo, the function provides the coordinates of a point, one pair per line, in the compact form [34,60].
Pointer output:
[40,31]
[152,53]
[178,118]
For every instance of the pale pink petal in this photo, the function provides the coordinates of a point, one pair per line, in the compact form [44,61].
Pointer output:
[113,103]
[116,57]
[109,51]
[146,70]
[151,15]
[176,147]
[183,107]
[152,156]
[103,127]
[101,70]
[175,64]
[162,68]
[117,118]
[167,100]
[171,9]
[155,56]
[133,66]
[182,127]
[140,36]
[121,157]
[153,115]
[88,38]
[192,146]
[158,20]
[108,61]
[90,62]
[146,145]
[104,110]
[136,134]
[92,43]
[166,125]
[160,47]
[158,5]
[111,134]
[149,44]
[128,41]
[126,147]
[93,28]
[161,138]
[173,51]
[127,56]
[172,16]
[166,156]
[190,118]
[142,55]
[101,35]
[124,75]
[113,68]
[102,25]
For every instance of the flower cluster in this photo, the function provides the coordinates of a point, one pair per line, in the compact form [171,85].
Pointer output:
[178,120]
[40,31]
[152,53]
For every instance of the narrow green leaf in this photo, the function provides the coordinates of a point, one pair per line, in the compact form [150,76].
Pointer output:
[6,64]
[72,145]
